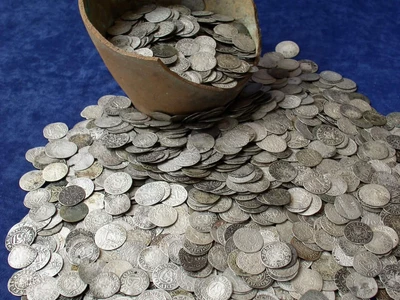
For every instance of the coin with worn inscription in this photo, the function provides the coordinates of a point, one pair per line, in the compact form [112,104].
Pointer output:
[105,285]
[21,256]
[46,288]
[118,183]
[248,240]
[358,232]
[361,286]
[70,284]
[110,236]
[71,195]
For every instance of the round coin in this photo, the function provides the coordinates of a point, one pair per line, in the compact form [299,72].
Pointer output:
[110,236]
[276,255]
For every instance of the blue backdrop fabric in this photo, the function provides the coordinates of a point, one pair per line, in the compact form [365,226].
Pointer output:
[50,70]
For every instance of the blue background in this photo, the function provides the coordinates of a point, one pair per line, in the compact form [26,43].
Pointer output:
[49,70]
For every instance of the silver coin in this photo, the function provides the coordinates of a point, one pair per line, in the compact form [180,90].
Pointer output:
[361,286]
[276,255]
[55,172]
[248,240]
[21,256]
[31,180]
[55,131]
[165,276]
[118,183]
[134,282]
[21,280]
[53,267]
[70,284]
[37,197]
[306,280]
[105,285]
[21,233]
[151,257]
[289,49]
[215,287]
[60,149]
[110,236]
[163,215]
[46,288]
[151,193]
[177,197]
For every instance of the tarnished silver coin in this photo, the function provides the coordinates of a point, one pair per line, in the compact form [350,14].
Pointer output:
[71,195]
[358,232]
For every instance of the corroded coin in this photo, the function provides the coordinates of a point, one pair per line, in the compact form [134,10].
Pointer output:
[358,232]
[71,195]
[74,213]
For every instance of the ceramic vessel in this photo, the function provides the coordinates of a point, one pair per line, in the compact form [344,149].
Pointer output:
[150,85]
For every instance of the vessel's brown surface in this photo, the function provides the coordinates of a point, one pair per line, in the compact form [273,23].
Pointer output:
[146,80]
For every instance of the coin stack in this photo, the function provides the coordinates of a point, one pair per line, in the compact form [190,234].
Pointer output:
[290,192]
[201,46]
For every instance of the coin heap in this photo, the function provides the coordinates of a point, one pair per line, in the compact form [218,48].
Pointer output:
[201,46]
[290,192]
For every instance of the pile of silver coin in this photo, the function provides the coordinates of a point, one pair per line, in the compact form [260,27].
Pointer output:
[290,192]
[201,46]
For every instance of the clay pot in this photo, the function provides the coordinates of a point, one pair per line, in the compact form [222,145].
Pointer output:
[150,85]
